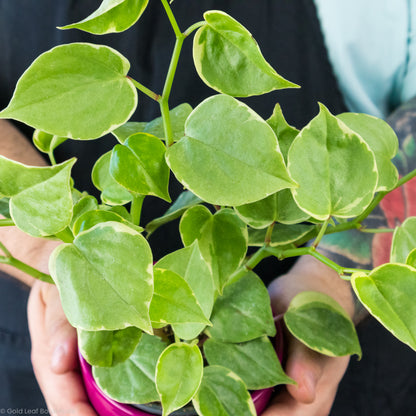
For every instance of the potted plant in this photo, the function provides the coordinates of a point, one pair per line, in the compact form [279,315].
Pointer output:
[182,329]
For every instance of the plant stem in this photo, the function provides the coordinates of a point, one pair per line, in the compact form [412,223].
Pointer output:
[405,178]
[31,271]
[282,254]
[251,263]
[172,19]
[376,230]
[6,222]
[52,158]
[136,208]
[195,26]
[321,233]
[144,89]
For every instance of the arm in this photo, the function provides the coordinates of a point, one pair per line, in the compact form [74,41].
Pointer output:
[318,376]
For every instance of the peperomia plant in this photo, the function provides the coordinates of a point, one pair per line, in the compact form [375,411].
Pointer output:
[175,330]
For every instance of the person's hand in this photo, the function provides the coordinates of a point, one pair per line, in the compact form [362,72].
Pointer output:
[54,354]
[317,376]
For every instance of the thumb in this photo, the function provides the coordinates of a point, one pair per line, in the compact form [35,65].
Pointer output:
[306,367]
[60,335]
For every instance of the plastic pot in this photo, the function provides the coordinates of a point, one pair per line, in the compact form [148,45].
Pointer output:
[105,406]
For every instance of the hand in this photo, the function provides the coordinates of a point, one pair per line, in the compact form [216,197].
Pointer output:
[54,354]
[317,376]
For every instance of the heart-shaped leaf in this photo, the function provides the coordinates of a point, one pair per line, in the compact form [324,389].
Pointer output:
[388,293]
[255,362]
[112,192]
[133,381]
[87,274]
[229,60]
[223,393]
[234,161]
[322,324]
[404,241]
[382,141]
[178,375]
[111,17]
[66,91]
[189,264]
[108,348]
[173,301]
[334,167]
[192,223]
[40,197]
[139,166]
[243,312]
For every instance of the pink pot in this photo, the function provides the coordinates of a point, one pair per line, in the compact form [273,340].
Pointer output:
[105,406]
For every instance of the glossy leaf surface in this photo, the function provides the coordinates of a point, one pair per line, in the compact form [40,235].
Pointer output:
[243,312]
[388,293]
[112,192]
[87,274]
[133,381]
[112,16]
[322,324]
[191,266]
[173,301]
[234,161]
[86,77]
[229,60]
[404,241]
[334,167]
[40,197]
[178,375]
[139,166]
[108,348]
[382,141]
[255,362]
[223,393]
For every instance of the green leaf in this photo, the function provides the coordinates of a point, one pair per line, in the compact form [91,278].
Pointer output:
[111,17]
[173,300]
[223,393]
[382,141]
[84,204]
[279,207]
[234,161]
[91,218]
[66,91]
[282,234]
[191,266]
[123,132]
[243,312]
[388,293]
[285,133]
[46,142]
[87,274]
[192,223]
[139,166]
[325,159]
[322,324]
[228,59]
[255,362]
[185,200]
[411,258]
[133,381]
[178,375]
[223,243]
[108,348]
[4,207]
[404,241]
[178,116]
[40,197]
[111,192]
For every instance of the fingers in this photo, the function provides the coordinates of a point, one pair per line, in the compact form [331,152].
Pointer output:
[54,352]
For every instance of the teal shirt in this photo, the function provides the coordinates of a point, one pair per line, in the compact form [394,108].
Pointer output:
[372,47]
